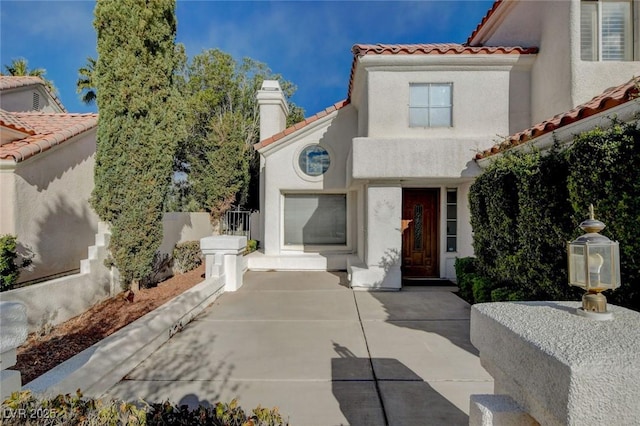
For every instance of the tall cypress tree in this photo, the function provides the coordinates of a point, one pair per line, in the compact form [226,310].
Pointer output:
[140,124]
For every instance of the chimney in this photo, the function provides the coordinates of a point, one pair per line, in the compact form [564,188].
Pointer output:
[273,109]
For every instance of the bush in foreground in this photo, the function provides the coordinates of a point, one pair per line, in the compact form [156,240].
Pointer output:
[23,408]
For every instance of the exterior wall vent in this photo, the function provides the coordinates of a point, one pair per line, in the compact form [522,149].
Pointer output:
[36,101]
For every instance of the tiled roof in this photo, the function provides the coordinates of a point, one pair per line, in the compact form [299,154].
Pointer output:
[11,121]
[360,50]
[335,107]
[45,130]
[12,82]
[475,32]
[608,99]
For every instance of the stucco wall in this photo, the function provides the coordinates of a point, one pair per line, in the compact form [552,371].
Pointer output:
[282,174]
[21,100]
[480,101]
[181,227]
[593,77]
[560,80]
[52,213]
[438,157]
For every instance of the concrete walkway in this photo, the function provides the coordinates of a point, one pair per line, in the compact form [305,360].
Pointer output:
[322,353]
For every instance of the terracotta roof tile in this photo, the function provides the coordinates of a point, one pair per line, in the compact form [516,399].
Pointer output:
[11,121]
[486,17]
[335,107]
[610,98]
[12,82]
[46,131]
[360,50]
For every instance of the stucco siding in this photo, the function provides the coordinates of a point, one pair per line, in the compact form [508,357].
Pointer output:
[22,100]
[551,76]
[416,158]
[283,175]
[480,103]
[54,219]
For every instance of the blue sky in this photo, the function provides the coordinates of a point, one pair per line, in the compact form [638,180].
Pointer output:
[308,42]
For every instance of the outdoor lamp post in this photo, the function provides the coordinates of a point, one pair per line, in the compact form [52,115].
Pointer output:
[594,265]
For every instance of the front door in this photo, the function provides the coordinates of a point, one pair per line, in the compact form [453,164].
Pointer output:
[420,233]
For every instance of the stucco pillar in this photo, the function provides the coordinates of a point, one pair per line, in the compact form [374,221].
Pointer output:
[223,257]
[13,332]
[383,240]
[560,368]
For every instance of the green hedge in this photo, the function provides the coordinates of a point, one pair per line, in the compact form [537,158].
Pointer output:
[23,408]
[525,206]
[11,262]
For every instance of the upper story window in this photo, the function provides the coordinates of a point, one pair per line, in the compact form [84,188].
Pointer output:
[606,30]
[430,104]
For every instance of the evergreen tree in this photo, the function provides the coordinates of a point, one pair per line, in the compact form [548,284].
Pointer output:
[217,160]
[140,122]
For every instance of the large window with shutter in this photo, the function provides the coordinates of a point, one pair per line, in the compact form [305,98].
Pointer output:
[315,220]
[606,30]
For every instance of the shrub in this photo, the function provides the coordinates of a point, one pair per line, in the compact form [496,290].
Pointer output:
[187,256]
[252,245]
[10,262]
[465,271]
[77,410]
[482,288]
[525,206]
[159,270]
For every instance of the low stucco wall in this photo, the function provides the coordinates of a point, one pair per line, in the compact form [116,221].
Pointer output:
[55,301]
[180,227]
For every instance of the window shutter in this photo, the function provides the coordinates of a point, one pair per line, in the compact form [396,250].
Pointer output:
[616,34]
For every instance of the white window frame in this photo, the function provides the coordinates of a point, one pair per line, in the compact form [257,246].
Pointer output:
[631,36]
[448,219]
[324,248]
[428,106]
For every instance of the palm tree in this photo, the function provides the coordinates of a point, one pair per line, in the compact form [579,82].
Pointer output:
[20,67]
[85,85]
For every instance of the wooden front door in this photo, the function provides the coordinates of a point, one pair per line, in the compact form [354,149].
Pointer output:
[420,233]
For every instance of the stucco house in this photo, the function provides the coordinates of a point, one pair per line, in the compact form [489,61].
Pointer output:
[377,184]
[46,176]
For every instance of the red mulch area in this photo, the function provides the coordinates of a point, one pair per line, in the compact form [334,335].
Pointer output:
[40,354]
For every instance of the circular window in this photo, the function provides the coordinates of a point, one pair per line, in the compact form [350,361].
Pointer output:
[314,160]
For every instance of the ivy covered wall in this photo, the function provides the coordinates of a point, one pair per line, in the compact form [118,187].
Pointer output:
[527,205]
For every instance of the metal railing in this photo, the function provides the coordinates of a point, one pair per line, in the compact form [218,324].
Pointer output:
[236,222]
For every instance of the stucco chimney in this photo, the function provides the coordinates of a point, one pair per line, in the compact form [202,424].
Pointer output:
[273,109]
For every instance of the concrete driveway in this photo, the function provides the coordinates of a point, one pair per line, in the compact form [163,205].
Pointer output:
[322,353]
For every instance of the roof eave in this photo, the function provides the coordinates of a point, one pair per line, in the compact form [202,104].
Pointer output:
[626,112]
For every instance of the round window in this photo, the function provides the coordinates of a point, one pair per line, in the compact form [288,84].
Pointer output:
[314,160]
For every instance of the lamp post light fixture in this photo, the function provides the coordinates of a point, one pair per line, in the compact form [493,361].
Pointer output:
[594,265]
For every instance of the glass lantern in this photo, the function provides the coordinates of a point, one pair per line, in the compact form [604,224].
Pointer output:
[594,265]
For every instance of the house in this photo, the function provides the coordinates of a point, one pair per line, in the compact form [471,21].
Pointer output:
[46,177]
[377,184]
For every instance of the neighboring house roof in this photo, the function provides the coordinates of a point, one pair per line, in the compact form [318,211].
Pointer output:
[335,107]
[11,121]
[13,82]
[610,98]
[482,23]
[360,50]
[45,130]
